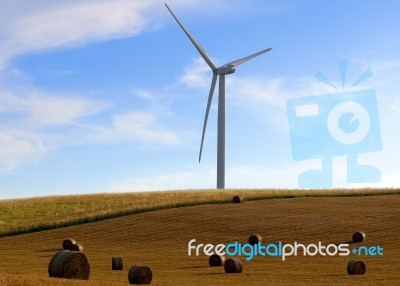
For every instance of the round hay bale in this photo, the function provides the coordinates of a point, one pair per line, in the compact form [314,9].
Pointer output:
[76,247]
[255,239]
[67,243]
[233,265]
[216,260]
[117,263]
[237,199]
[356,267]
[69,264]
[140,275]
[358,236]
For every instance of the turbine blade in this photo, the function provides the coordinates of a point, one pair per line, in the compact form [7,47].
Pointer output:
[210,96]
[199,48]
[245,59]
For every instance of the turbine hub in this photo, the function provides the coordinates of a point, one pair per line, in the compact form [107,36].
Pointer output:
[227,69]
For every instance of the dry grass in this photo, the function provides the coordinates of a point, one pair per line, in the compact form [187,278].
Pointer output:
[35,214]
[159,240]
[36,280]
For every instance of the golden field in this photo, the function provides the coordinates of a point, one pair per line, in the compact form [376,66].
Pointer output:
[159,239]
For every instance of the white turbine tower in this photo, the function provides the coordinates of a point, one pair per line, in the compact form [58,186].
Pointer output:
[221,72]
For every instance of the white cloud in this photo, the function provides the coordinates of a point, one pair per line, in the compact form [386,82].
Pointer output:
[143,126]
[204,177]
[255,89]
[257,176]
[396,105]
[39,108]
[197,75]
[34,26]
[274,91]
[168,181]
[47,110]
[248,176]
[144,94]
[27,112]
[49,25]
[26,138]
[17,148]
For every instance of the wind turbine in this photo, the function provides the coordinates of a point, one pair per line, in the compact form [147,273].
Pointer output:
[221,72]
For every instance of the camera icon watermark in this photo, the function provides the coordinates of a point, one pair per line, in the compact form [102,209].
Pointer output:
[337,124]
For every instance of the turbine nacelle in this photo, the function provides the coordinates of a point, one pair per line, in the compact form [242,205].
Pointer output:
[226,69]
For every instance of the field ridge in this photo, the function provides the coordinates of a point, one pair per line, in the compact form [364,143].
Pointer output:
[226,197]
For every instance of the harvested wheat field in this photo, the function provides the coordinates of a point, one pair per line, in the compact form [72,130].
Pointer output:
[159,239]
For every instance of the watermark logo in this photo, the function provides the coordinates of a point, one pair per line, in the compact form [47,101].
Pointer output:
[338,124]
[283,250]
[368,251]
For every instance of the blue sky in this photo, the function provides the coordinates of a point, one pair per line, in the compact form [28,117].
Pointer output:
[109,96]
